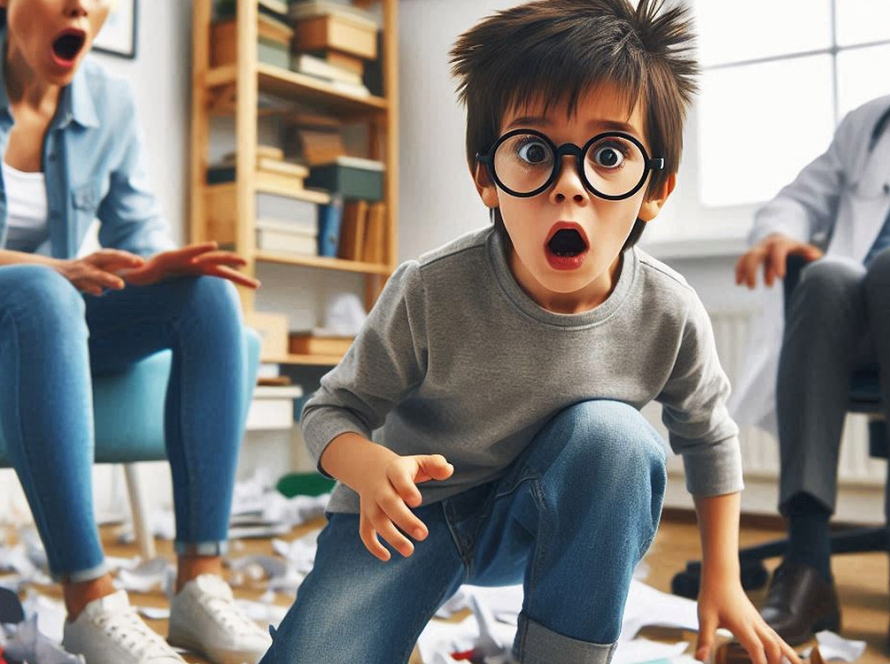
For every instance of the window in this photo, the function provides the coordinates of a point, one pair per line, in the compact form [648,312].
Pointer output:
[778,76]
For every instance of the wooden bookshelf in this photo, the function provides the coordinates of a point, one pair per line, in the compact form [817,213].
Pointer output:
[309,360]
[234,89]
[323,262]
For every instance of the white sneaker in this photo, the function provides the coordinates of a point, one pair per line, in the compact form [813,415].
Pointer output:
[205,620]
[108,631]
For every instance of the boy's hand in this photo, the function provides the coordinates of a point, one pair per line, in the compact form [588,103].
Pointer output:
[723,603]
[771,252]
[387,492]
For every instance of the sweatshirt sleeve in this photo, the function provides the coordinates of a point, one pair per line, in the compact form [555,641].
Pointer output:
[385,362]
[694,411]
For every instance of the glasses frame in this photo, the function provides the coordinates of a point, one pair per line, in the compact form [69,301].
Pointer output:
[650,164]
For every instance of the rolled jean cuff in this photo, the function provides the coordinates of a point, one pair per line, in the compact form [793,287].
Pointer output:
[217,548]
[80,576]
[539,645]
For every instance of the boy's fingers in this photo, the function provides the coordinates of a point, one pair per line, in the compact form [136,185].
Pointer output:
[434,466]
[403,482]
[752,643]
[369,539]
[387,530]
[397,511]
[707,627]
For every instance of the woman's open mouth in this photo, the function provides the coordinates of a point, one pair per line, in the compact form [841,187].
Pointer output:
[566,247]
[67,46]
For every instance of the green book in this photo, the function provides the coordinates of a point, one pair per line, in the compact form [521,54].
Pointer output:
[273,53]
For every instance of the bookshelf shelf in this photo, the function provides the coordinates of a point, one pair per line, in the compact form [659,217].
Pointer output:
[293,86]
[299,87]
[322,262]
[262,101]
[313,360]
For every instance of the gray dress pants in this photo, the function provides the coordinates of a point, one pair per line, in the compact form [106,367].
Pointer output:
[839,319]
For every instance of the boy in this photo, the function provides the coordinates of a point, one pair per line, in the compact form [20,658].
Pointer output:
[507,369]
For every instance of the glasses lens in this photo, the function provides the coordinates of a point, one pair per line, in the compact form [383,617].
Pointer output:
[614,165]
[523,163]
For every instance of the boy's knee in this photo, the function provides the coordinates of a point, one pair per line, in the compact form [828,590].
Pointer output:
[611,438]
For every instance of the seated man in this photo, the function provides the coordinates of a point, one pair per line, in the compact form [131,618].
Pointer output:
[839,319]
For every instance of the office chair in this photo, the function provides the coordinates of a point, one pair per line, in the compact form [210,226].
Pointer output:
[128,410]
[865,397]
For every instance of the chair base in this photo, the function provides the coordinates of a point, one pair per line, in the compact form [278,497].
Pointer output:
[754,574]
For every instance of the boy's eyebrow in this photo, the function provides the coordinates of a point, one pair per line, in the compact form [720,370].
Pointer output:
[601,125]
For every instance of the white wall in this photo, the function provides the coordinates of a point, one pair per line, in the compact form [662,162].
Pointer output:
[161,80]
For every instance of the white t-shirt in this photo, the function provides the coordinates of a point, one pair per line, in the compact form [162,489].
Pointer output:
[26,209]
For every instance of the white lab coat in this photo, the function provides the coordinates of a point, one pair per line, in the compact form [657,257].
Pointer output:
[842,197]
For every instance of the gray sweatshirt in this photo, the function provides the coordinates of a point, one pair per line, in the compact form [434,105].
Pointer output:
[456,359]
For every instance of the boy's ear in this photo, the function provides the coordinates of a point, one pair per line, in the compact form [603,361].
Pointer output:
[652,204]
[485,186]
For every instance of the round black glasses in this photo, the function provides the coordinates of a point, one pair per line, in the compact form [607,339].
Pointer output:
[613,165]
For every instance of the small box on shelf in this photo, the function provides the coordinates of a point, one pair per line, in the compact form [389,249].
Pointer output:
[307,343]
[273,332]
[352,177]
[322,25]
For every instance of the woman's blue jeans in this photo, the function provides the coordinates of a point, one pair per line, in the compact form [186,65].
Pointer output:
[570,519]
[53,339]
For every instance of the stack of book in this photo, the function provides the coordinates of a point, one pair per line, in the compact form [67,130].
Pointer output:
[271,169]
[332,41]
[286,225]
[363,234]
[275,34]
[317,138]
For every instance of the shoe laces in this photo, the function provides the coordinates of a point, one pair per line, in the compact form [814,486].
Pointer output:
[226,613]
[126,629]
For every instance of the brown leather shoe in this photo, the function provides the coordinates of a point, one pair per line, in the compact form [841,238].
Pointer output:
[800,603]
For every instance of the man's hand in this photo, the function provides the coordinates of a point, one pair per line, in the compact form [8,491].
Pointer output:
[387,490]
[772,252]
[722,603]
[99,271]
[192,261]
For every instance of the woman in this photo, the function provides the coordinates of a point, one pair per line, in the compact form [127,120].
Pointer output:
[72,152]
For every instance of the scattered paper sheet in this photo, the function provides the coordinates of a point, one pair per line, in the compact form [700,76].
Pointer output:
[836,648]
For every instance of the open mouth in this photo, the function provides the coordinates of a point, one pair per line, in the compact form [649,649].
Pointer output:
[68,44]
[567,243]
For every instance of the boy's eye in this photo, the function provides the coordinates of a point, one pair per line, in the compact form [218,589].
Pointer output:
[534,152]
[607,156]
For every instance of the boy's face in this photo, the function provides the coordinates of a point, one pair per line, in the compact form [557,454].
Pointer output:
[566,240]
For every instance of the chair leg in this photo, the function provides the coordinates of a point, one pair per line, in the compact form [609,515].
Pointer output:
[141,529]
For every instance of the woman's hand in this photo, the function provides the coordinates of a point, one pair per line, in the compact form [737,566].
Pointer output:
[387,490]
[771,252]
[192,261]
[723,603]
[99,271]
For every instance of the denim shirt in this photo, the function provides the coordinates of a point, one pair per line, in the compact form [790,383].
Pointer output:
[93,160]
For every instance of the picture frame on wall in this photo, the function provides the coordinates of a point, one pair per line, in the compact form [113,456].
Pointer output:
[118,35]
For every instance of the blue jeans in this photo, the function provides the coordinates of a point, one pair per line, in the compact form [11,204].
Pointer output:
[53,338]
[569,519]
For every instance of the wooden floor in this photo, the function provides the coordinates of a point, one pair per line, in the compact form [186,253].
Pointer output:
[862,582]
